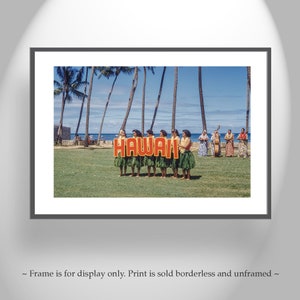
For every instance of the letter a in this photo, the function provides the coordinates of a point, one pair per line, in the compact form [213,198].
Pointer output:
[131,147]
[160,146]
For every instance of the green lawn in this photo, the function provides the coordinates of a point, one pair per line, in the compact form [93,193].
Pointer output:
[90,172]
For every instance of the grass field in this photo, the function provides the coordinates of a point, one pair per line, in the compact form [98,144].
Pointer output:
[89,172]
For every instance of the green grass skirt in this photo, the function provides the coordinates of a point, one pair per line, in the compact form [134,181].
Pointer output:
[135,161]
[120,161]
[187,160]
[162,162]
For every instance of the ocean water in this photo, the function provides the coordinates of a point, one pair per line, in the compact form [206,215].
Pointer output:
[111,136]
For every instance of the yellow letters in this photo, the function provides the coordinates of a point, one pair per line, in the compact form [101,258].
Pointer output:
[146,146]
[119,147]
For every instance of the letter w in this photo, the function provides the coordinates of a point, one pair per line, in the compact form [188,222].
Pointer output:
[145,146]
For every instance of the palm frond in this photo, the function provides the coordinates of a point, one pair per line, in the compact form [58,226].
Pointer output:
[57,91]
[60,72]
[57,83]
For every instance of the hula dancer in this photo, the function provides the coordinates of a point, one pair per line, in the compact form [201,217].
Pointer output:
[120,161]
[161,161]
[136,160]
[187,160]
[150,161]
[174,161]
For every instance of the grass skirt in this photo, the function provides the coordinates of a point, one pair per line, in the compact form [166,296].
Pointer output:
[187,160]
[162,162]
[135,161]
[149,161]
[174,162]
[120,161]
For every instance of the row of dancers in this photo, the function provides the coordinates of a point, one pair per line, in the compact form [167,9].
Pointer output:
[184,160]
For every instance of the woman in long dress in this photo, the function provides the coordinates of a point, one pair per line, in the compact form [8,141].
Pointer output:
[203,138]
[243,143]
[229,147]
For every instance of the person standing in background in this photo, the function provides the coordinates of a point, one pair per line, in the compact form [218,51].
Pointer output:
[229,147]
[243,143]
[216,144]
[203,138]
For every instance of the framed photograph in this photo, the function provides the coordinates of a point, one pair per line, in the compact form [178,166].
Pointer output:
[162,133]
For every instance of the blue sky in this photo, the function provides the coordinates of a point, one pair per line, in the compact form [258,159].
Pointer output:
[224,91]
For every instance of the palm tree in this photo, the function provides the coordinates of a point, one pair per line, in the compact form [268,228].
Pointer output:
[83,100]
[248,97]
[174,97]
[143,101]
[70,81]
[201,99]
[158,98]
[132,92]
[116,72]
[144,96]
[104,71]
[86,138]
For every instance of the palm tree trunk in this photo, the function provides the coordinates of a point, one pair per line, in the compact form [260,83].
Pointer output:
[133,88]
[105,108]
[143,101]
[82,104]
[248,97]
[88,108]
[204,127]
[174,97]
[60,126]
[158,98]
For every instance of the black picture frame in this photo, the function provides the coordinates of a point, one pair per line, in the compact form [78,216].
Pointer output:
[266,198]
